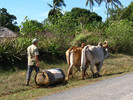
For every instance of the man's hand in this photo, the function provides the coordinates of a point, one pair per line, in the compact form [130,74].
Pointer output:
[37,64]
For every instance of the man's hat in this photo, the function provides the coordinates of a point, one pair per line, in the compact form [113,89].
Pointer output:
[34,41]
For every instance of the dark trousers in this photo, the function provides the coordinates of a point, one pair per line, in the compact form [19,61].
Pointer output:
[29,71]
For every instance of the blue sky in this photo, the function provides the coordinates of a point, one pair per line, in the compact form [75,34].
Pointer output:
[38,9]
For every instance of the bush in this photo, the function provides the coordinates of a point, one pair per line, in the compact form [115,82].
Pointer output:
[89,38]
[63,25]
[119,35]
[30,27]
[12,52]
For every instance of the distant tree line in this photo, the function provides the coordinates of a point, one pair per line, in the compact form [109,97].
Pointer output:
[63,30]
[8,20]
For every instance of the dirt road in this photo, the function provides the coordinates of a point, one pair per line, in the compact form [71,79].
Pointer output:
[118,88]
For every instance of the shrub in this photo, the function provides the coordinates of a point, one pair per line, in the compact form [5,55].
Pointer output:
[11,52]
[30,27]
[63,25]
[119,34]
[90,38]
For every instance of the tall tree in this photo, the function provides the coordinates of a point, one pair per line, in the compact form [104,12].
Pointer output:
[31,27]
[112,2]
[115,13]
[107,3]
[56,6]
[91,3]
[128,12]
[8,20]
[84,15]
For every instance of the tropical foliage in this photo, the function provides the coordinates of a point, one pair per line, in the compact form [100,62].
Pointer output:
[8,20]
[30,27]
[84,16]
[120,35]
[128,12]
[115,13]
[55,11]
[70,29]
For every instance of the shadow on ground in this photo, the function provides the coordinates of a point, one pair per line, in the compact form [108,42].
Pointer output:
[115,73]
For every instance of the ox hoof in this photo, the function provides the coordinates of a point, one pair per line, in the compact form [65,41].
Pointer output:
[99,75]
[95,76]
[83,78]
[67,79]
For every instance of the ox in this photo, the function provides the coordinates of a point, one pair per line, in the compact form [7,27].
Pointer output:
[93,55]
[73,56]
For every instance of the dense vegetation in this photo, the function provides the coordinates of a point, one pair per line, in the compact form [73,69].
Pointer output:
[61,31]
[8,20]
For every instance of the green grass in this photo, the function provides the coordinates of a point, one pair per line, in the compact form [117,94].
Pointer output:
[12,84]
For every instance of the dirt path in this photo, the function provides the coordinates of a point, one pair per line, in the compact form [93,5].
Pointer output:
[118,88]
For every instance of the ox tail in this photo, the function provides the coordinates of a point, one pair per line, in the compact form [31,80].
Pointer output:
[83,58]
[83,62]
[68,53]
[68,57]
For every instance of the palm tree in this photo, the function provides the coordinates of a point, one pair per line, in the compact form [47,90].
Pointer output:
[56,6]
[55,11]
[112,2]
[91,3]
[107,2]
[59,3]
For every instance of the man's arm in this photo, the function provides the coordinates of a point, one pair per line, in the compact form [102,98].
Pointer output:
[37,62]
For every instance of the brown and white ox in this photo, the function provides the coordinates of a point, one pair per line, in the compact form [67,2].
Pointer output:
[73,56]
[93,55]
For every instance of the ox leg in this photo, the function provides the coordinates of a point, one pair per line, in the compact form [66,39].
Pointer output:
[86,66]
[83,72]
[74,72]
[69,72]
[98,69]
[92,70]
[78,67]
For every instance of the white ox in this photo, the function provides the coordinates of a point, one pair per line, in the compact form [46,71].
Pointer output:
[73,56]
[93,55]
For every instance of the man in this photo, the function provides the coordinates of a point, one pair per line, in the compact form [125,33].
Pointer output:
[33,62]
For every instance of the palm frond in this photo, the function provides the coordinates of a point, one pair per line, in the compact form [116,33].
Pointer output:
[113,3]
[87,2]
[118,2]
[59,3]
[64,4]
[50,5]
[54,6]
[100,1]
[97,1]
[91,3]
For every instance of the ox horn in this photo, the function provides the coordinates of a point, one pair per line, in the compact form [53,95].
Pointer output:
[105,45]
[83,45]
[100,44]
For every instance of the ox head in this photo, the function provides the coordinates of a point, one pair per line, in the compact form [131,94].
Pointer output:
[105,47]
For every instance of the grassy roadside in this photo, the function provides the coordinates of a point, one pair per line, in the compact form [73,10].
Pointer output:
[12,84]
